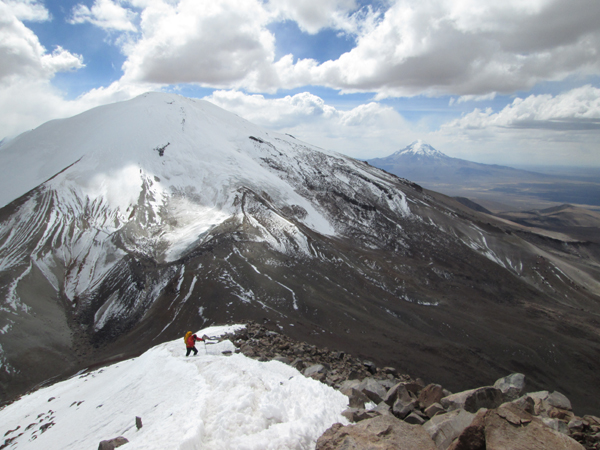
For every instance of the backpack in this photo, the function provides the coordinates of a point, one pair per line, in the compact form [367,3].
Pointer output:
[187,336]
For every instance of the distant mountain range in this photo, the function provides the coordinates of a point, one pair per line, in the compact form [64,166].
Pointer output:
[421,163]
[513,188]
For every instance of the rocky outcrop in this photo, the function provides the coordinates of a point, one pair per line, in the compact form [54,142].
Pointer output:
[379,433]
[111,444]
[393,411]
[511,428]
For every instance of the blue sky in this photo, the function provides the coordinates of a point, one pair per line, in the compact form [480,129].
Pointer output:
[511,83]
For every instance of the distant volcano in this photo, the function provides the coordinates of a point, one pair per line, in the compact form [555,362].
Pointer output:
[421,163]
[127,225]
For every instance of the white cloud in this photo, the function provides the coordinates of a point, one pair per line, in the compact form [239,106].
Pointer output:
[538,129]
[469,48]
[27,10]
[464,47]
[21,54]
[314,15]
[578,109]
[105,14]
[216,43]
[365,131]
[27,96]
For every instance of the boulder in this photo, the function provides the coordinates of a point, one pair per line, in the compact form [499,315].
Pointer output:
[414,418]
[390,371]
[379,433]
[558,400]
[434,409]
[283,359]
[372,389]
[497,430]
[511,386]
[111,444]
[472,400]
[398,391]
[314,370]
[358,414]
[401,409]
[349,384]
[370,366]
[356,399]
[383,408]
[444,428]
[575,424]
[502,435]
[430,394]
[556,425]
[544,401]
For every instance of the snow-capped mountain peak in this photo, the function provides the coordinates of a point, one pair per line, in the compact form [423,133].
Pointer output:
[420,148]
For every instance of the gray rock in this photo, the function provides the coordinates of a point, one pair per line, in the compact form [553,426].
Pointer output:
[430,394]
[401,409]
[383,408]
[474,399]
[558,400]
[444,428]
[111,444]
[379,433]
[434,409]
[512,386]
[556,425]
[575,424]
[370,366]
[314,370]
[356,399]
[414,419]
[349,384]
[398,391]
[372,389]
[283,359]
[358,414]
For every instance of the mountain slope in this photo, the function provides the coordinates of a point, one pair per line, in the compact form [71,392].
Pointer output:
[131,223]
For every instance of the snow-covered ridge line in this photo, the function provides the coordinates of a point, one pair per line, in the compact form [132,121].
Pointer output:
[209,401]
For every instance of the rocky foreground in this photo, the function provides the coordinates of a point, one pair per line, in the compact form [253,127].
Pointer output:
[393,411]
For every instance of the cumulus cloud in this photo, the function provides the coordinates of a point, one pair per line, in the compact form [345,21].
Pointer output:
[578,109]
[21,54]
[30,10]
[27,95]
[314,15]
[215,43]
[105,14]
[365,131]
[468,47]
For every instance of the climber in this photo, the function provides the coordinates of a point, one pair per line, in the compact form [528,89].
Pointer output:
[190,343]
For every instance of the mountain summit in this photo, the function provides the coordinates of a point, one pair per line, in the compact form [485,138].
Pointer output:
[419,148]
[127,225]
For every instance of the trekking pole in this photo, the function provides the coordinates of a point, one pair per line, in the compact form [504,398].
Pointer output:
[205,350]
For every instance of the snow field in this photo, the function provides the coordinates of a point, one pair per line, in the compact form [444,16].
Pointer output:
[209,401]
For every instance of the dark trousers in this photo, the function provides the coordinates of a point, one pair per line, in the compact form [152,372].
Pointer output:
[191,349]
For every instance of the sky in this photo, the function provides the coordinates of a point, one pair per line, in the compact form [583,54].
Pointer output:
[515,82]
